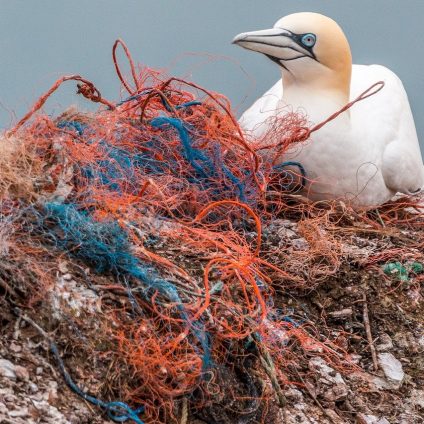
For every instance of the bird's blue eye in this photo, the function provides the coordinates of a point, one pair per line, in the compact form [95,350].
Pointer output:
[309,40]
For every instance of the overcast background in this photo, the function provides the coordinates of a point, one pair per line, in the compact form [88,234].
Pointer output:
[40,40]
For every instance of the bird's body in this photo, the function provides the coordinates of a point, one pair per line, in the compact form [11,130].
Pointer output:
[367,154]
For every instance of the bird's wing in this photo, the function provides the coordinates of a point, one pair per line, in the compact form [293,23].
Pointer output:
[391,126]
[253,121]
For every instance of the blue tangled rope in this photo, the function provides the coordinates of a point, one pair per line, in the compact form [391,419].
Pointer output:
[118,169]
[73,125]
[302,170]
[106,246]
[117,411]
[196,157]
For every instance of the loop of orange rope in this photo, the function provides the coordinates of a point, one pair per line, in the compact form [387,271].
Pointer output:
[367,93]
[250,211]
[303,133]
[132,66]
[87,89]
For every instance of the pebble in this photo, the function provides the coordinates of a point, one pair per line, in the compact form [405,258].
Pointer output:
[417,398]
[63,267]
[335,393]
[33,387]
[300,244]
[294,394]
[371,419]
[385,343]
[335,419]
[355,358]
[392,368]
[15,348]
[7,369]
[21,412]
[328,374]
[21,373]
[344,313]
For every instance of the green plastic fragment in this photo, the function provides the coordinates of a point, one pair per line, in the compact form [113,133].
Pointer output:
[417,268]
[396,268]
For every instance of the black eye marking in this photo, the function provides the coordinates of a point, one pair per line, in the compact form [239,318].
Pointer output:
[308,40]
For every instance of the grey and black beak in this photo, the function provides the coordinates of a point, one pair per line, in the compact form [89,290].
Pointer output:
[279,44]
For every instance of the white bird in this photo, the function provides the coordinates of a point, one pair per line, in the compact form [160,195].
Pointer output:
[368,153]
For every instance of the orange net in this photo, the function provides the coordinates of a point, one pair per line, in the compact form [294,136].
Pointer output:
[169,164]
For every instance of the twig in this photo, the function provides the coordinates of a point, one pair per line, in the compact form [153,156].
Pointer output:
[8,289]
[184,412]
[17,330]
[369,334]
[380,219]
[34,324]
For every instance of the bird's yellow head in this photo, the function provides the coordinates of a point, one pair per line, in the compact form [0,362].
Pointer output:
[310,48]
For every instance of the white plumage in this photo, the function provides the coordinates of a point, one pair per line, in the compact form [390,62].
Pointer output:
[364,156]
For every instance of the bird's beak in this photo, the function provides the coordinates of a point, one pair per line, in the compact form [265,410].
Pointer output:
[276,43]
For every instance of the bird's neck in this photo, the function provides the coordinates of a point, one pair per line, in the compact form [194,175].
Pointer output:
[319,97]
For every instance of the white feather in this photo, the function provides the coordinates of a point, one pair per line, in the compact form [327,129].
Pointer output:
[366,155]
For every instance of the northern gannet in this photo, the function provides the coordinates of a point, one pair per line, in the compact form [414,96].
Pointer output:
[367,154]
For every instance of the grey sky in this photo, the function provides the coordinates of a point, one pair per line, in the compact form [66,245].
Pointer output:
[41,40]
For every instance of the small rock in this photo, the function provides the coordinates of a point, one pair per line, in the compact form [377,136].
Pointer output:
[3,408]
[52,412]
[21,412]
[300,244]
[407,341]
[10,399]
[351,290]
[385,343]
[294,394]
[67,277]
[382,383]
[334,417]
[408,418]
[328,374]
[392,368]
[63,267]
[39,371]
[295,414]
[286,233]
[21,373]
[33,387]
[344,313]
[7,369]
[15,348]
[52,395]
[373,381]
[337,392]
[355,358]
[371,419]
[416,398]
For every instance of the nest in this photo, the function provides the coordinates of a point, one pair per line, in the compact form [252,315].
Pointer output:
[159,204]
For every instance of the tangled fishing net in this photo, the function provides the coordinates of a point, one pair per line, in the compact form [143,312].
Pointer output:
[161,195]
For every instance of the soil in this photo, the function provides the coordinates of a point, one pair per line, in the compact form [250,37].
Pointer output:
[356,297]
